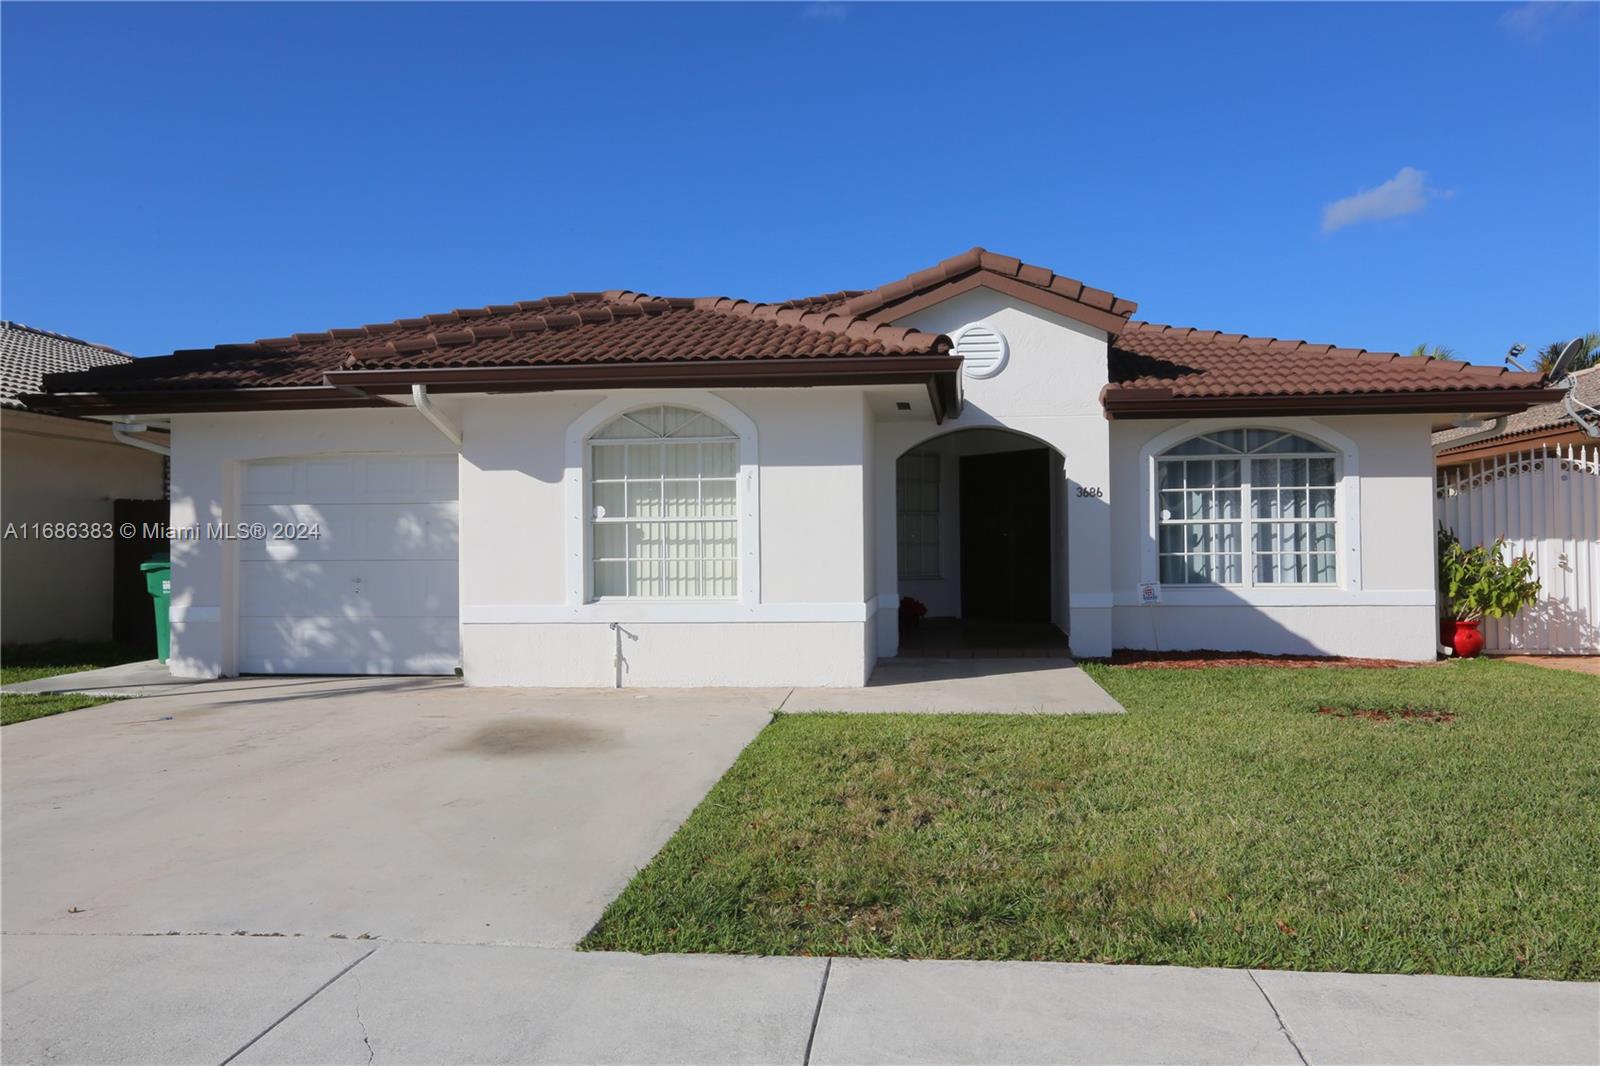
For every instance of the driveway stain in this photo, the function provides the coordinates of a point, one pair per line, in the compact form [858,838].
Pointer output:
[179,715]
[533,736]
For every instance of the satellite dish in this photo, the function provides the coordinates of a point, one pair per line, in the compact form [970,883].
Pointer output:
[1586,415]
[1569,352]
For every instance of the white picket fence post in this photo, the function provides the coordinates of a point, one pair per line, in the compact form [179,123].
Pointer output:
[1546,502]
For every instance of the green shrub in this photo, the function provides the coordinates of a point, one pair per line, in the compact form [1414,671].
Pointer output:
[1478,582]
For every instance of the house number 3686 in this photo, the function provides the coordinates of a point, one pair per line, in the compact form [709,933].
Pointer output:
[1092,490]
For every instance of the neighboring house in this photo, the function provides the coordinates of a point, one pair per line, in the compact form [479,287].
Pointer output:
[609,487]
[1534,478]
[1545,423]
[57,473]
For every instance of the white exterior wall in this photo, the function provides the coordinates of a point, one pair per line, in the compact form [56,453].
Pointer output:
[1383,605]
[1049,389]
[868,545]
[804,618]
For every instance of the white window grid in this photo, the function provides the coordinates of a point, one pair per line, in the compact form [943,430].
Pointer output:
[664,515]
[917,515]
[1292,520]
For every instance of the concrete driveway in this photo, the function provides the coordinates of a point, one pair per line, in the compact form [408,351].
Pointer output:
[400,807]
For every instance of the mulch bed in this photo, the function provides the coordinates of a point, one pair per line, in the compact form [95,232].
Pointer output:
[1199,660]
[1378,714]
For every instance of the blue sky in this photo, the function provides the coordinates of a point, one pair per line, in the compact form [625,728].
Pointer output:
[1370,175]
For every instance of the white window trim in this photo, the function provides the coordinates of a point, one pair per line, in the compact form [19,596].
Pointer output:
[580,603]
[1347,518]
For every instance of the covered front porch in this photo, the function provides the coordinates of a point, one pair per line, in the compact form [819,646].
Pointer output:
[961,638]
[981,548]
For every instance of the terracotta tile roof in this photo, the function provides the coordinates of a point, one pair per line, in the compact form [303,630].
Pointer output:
[28,354]
[828,301]
[577,328]
[1155,370]
[1585,386]
[1205,363]
[981,267]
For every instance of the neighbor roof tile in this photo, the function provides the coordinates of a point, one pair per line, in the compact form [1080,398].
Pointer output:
[28,354]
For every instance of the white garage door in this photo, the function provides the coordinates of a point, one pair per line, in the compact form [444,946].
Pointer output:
[374,591]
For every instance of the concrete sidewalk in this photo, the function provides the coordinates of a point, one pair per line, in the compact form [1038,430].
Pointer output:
[214,999]
[916,686]
[147,678]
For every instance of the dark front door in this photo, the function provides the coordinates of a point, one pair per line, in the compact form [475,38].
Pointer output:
[1005,536]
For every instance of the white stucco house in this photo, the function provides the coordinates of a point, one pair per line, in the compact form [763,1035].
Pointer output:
[606,488]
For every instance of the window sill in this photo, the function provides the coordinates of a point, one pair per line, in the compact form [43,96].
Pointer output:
[1282,596]
[1312,586]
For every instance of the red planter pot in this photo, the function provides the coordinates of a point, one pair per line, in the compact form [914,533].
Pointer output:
[1465,639]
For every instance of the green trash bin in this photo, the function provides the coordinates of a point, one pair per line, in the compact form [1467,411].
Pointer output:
[158,582]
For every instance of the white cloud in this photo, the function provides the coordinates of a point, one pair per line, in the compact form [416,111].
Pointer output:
[1404,194]
[1533,21]
[825,11]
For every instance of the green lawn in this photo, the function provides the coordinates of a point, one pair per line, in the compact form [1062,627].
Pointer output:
[1221,822]
[24,708]
[28,662]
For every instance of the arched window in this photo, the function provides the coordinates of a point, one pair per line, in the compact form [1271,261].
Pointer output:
[1247,507]
[664,506]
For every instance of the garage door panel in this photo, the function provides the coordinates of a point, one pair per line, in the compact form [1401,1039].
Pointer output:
[335,588]
[356,531]
[336,646]
[262,480]
[376,591]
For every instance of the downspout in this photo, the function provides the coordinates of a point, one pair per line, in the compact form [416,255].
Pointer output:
[424,403]
[1484,432]
[123,430]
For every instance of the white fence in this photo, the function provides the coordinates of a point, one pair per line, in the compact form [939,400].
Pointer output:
[1546,503]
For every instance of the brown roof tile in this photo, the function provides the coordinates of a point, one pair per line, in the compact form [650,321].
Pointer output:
[584,327]
[1194,363]
[1065,295]
[1158,363]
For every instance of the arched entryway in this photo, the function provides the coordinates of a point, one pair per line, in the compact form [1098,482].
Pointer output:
[980,533]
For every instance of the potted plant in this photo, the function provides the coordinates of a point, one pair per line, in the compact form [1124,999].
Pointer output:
[1477,583]
[911,612]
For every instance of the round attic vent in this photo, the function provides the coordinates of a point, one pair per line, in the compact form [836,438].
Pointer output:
[982,349]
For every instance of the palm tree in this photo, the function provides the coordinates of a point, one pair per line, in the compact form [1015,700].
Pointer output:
[1588,354]
[1433,351]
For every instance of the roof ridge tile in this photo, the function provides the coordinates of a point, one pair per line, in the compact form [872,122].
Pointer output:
[874,302]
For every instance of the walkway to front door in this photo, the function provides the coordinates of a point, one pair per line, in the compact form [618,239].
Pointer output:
[964,686]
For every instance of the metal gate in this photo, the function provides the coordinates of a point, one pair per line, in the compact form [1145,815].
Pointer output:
[1546,503]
